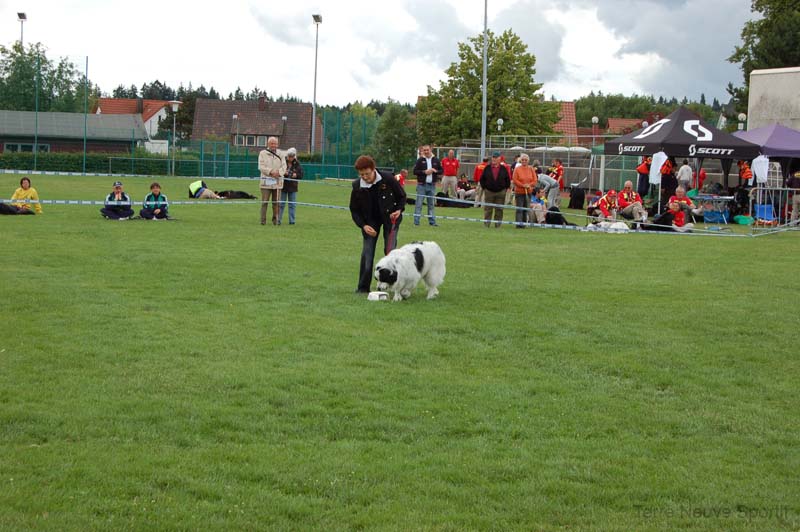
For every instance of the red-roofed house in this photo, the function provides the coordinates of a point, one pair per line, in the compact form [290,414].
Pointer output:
[623,126]
[567,124]
[151,110]
[250,122]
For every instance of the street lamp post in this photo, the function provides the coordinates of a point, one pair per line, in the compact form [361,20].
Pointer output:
[742,119]
[22,17]
[235,117]
[317,21]
[595,128]
[175,105]
[499,124]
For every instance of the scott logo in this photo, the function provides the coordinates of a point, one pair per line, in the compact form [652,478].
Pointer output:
[630,149]
[709,151]
[653,129]
[701,133]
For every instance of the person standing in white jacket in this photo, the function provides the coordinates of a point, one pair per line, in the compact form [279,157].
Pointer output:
[272,165]
[685,175]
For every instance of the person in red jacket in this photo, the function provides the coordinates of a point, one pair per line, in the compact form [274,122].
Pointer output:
[630,203]
[558,173]
[476,177]
[643,183]
[605,207]
[679,205]
[450,174]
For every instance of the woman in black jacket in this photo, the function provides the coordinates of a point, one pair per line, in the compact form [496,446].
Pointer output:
[377,200]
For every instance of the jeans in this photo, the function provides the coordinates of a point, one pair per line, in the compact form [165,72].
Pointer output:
[426,192]
[523,203]
[292,197]
[368,253]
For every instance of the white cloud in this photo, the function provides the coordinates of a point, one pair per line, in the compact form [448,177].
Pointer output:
[374,50]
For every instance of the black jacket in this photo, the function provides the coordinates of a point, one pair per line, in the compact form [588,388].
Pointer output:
[421,165]
[294,168]
[372,206]
[488,182]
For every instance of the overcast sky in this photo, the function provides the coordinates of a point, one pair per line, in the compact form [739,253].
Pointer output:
[370,49]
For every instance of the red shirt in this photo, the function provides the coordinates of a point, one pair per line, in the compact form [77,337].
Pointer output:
[680,214]
[401,179]
[643,168]
[625,198]
[450,166]
[559,176]
[745,173]
[666,168]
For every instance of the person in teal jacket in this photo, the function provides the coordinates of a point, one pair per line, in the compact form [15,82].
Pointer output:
[155,205]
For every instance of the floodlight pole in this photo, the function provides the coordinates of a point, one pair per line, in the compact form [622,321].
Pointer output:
[175,104]
[317,21]
[22,17]
[483,101]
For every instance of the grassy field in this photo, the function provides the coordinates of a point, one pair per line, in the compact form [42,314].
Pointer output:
[215,374]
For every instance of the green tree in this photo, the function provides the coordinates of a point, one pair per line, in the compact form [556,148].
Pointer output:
[158,91]
[395,137]
[349,131]
[772,41]
[60,83]
[453,112]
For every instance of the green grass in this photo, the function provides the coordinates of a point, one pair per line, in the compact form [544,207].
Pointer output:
[215,374]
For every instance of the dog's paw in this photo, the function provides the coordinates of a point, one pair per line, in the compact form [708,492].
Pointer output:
[433,293]
[397,297]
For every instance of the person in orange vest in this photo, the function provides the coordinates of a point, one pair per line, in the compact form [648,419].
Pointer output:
[745,173]
[630,204]
[668,181]
[606,206]
[643,184]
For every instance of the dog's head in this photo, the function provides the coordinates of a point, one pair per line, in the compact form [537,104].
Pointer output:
[385,273]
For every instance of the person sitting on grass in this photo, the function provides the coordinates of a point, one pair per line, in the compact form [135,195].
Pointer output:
[539,205]
[118,204]
[199,190]
[679,205]
[605,208]
[464,189]
[23,196]
[155,205]
[630,204]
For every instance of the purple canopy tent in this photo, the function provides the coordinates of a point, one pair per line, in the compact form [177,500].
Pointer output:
[777,142]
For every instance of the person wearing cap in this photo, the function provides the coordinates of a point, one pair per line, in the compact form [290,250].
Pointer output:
[118,205]
[199,190]
[20,200]
[272,166]
[377,202]
[428,170]
[495,181]
[155,205]
[294,173]
[605,207]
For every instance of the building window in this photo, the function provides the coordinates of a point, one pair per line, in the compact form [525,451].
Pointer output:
[261,140]
[25,147]
[240,140]
[251,140]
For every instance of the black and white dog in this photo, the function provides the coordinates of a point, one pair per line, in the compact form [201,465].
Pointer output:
[234,194]
[401,270]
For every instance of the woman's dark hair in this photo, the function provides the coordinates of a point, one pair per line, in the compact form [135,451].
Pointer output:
[28,179]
